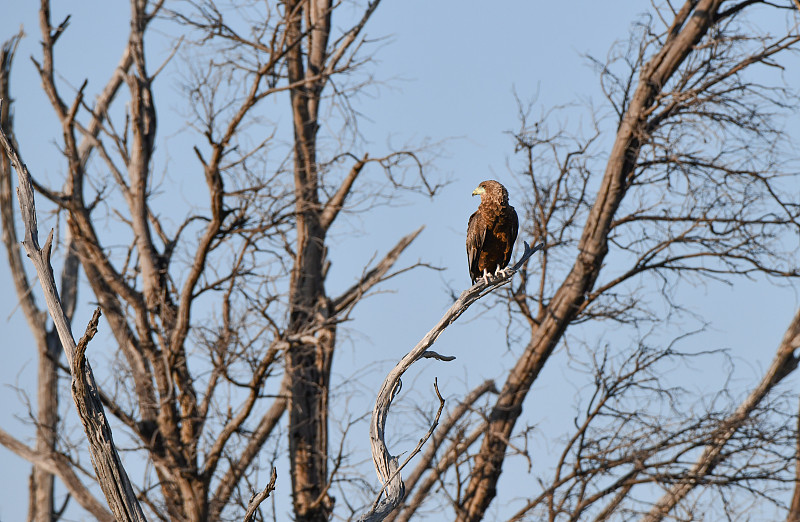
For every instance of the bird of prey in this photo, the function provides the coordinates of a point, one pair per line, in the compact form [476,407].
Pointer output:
[491,232]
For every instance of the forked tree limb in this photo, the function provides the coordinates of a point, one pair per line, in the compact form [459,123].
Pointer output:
[111,474]
[387,465]
[398,468]
[48,347]
[442,459]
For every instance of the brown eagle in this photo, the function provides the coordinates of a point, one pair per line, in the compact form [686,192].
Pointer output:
[491,232]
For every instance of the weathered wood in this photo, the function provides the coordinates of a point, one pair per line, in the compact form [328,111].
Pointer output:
[386,464]
[41,481]
[260,497]
[110,472]
[59,465]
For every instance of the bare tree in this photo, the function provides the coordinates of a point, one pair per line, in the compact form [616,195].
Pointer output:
[47,342]
[673,207]
[208,312]
[694,187]
[111,475]
[223,319]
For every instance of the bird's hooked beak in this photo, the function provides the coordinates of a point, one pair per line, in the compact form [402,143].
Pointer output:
[478,191]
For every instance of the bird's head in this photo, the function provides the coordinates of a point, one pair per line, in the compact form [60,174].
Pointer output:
[492,188]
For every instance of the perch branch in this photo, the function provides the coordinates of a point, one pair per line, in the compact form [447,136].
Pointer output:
[421,442]
[386,464]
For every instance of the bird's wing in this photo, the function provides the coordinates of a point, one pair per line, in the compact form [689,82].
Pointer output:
[476,233]
[513,230]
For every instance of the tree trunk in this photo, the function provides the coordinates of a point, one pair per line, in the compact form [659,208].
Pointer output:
[47,420]
[690,25]
[308,359]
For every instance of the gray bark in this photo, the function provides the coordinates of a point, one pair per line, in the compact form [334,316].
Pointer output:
[111,474]
[386,464]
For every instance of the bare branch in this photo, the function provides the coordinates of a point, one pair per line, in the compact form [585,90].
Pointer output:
[376,514]
[336,202]
[784,363]
[237,468]
[111,474]
[60,466]
[374,276]
[22,286]
[426,462]
[386,464]
[260,497]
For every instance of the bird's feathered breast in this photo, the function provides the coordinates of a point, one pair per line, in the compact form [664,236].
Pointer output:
[491,232]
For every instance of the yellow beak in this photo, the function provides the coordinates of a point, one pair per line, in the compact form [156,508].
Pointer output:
[478,191]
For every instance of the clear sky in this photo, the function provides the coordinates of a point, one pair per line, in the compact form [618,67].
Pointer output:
[451,69]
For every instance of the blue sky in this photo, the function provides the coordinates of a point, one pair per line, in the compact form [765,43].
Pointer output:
[451,70]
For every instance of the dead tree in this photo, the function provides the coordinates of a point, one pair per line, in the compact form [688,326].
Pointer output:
[685,76]
[216,309]
[47,342]
[692,188]
[223,319]
[111,474]
[387,465]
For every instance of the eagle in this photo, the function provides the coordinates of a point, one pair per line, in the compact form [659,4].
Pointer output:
[491,232]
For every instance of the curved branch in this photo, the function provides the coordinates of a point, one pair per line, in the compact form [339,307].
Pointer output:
[444,461]
[386,464]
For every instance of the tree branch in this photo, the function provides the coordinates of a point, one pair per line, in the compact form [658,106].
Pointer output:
[426,462]
[374,276]
[784,363]
[22,286]
[336,202]
[257,499]
[110,473]
[228,482]
[59,465]
[386,464]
